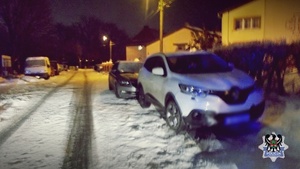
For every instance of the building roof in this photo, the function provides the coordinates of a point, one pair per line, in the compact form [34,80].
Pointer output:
[145,36]
[240,3]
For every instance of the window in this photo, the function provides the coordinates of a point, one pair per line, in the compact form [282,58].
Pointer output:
[238,24]
[247,23]
[197,63]
[256,22]
[153,62]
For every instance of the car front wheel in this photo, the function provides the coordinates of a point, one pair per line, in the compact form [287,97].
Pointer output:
[173,117]
[117,91]
[109,84]
[46,77]
[142,99]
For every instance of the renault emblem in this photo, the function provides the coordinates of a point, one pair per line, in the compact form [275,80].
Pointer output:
[235,93]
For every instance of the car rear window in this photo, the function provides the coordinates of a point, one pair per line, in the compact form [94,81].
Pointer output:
[197,63]
[32,63]
[129,67]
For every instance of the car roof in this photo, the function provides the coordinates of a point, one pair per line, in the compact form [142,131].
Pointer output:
[37,58]
[180,53]
[127,61]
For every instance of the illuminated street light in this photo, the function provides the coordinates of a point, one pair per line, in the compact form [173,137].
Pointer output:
[105,38]
[140,47]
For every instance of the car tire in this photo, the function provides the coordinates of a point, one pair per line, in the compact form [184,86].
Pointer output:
[109,85]
[142,99]
[117,91]
[174,117]
[47,77]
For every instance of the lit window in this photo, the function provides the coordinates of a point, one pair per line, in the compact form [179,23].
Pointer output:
[238,24]
[256,22]
[247,23]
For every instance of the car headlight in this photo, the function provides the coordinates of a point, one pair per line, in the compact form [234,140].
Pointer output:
[193,90]
[124,82]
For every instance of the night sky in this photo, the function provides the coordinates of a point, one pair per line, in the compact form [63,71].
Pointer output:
[131,15]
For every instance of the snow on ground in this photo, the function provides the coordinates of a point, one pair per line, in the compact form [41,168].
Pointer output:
[283,116]
[34,145]
[17,95]
[127,136]
[140,140]
[40,146]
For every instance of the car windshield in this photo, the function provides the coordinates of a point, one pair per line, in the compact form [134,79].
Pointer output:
[33,63]
[197,63]
[129,67]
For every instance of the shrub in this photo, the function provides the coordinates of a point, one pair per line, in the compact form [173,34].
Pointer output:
[249,57]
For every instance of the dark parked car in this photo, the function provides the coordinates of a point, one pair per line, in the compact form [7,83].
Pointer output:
[123,78]
[54,67]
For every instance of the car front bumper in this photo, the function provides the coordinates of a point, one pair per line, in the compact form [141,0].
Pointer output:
[127,91]
[205,118]
[212,110]
[37,74]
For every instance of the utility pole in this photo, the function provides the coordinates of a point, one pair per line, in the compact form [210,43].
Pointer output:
[161,24]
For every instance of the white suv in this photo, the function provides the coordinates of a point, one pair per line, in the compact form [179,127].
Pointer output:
[198,89]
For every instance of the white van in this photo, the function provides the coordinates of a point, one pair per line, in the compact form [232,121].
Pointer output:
[38,66]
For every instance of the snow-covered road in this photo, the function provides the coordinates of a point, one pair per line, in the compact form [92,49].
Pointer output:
[37,120]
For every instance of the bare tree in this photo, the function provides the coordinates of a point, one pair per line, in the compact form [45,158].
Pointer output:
[90,31]
[27,23]
[68,48]
[203,38]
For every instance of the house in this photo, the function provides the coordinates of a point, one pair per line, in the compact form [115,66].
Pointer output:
[181,39]
[136,48]
[262,20]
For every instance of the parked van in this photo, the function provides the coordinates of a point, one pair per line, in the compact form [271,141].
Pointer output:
[38,66]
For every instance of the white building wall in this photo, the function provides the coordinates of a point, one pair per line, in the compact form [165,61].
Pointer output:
[179,37]
[230,35]
[134,52]
[280,20]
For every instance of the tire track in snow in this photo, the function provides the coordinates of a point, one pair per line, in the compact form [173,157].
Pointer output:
[79,144]
[8,131]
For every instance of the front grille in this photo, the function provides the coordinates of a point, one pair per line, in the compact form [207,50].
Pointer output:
[234,95]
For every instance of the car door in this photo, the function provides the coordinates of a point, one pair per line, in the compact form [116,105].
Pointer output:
[157,82]
[112,74]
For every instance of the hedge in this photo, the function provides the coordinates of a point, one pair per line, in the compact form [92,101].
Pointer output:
[249,57]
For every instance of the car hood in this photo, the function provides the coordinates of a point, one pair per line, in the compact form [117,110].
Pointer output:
[129,76]
[218,81]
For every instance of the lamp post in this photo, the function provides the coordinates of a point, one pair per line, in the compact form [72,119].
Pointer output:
[110,47]
[161,24]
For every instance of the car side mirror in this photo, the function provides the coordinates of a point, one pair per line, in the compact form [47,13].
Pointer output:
[158,71]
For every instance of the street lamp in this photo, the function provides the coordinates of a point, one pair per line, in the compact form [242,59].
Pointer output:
[105,38]
[161,5]
[161,24]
